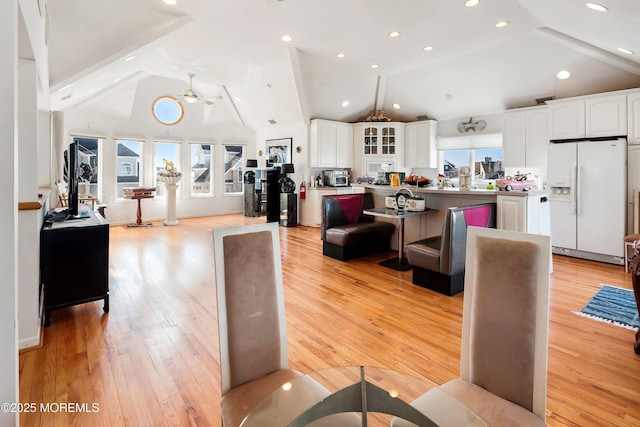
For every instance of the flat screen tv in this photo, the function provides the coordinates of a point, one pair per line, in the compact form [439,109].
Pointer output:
[73,168]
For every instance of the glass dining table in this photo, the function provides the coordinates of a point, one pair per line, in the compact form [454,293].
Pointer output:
[360,396]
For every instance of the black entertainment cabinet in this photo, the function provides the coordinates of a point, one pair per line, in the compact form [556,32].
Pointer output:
[74,262]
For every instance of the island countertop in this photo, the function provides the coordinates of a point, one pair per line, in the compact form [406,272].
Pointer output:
[453,190]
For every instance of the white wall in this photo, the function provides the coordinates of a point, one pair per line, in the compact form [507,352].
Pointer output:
[141,125]
[300,138]
[8,212]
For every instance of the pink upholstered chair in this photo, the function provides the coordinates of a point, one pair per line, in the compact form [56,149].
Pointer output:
[251,317]
[503,366]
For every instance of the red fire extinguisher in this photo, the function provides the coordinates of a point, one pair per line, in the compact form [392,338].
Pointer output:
[303,191]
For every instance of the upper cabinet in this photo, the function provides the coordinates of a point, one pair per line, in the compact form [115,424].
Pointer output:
[590,117]
[330,144]
[567,120]
[525,138]
[633,117]
[606,116]
[380,139]
[420,144]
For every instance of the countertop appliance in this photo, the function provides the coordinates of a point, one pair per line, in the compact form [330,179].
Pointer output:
[587,180]
[336,178]
[411,202]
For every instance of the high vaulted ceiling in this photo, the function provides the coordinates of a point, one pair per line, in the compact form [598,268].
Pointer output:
[235,50]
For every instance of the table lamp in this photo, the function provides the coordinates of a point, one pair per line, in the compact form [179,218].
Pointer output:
[286,184]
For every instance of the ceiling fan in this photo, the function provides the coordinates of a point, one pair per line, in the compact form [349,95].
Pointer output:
[190,96]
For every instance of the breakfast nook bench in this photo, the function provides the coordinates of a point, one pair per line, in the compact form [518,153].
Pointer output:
[346,232]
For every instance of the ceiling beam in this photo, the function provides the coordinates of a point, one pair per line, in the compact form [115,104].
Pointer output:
[296,67]
[589,50]
[381,91]
[143,40]
[233,107]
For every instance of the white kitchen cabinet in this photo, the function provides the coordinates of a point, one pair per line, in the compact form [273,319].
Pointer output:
[311,207]
[512,213]
[567,120]
[525,138]
[633,117]
[589,117]
[380,139]
[344,145]
[420,144]
[330,144]
[524,213]
[606,116]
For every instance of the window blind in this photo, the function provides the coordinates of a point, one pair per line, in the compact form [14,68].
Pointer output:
[469,141]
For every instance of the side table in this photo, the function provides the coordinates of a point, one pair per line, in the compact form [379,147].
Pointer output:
[139,194]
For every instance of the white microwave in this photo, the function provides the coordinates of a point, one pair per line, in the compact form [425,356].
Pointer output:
[373,167]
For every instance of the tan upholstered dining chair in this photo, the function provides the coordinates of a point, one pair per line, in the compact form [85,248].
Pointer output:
[251,326]
[503,366]
[251,317]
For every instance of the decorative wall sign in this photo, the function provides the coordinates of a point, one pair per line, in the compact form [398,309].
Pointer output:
[471,126]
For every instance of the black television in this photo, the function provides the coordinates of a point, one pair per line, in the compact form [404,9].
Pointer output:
[73,168]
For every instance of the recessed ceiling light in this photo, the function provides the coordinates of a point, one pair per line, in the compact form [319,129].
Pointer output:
[471,3]
[598,7]
[375,65]
[130,58]
[394,34]
[341,55]
[396,106]
[627,51]
[117,80]
[170,2]
[563,75]
[427,48]
[235,98]
[286,38]
[501,24]
[345,103]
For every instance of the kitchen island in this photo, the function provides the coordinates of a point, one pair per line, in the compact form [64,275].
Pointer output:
[523,211]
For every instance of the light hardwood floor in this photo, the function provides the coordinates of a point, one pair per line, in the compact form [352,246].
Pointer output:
[153,360]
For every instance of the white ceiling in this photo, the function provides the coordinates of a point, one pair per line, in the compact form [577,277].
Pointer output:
[235,49]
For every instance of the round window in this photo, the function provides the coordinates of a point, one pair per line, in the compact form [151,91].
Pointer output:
[167,110]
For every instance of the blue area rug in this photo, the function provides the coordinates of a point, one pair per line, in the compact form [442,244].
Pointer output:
[613,305]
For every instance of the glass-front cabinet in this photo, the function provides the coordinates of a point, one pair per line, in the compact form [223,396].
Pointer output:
[370,140]
[377,142]
[380,139]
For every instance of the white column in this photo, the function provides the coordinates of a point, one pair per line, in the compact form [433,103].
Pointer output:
[9,209]
[171,205]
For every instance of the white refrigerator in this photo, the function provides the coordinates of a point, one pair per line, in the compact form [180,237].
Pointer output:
[587,180]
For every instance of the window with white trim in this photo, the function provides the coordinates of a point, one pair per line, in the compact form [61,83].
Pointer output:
[128,165]
[481,153]
[90,150]
[165,152]
[201,170]
[233,158]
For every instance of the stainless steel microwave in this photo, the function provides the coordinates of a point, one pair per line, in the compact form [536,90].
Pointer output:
[336,178]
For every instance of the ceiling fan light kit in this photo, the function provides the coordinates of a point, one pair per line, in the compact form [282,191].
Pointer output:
[191,97]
